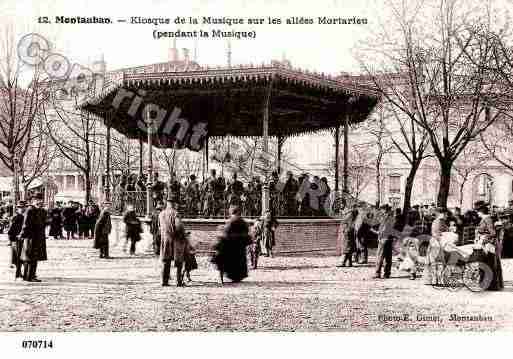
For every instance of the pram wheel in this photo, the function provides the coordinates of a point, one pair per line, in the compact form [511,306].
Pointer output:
[452,277]
[477,276]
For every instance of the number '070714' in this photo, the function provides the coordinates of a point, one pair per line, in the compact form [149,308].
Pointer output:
[37,344]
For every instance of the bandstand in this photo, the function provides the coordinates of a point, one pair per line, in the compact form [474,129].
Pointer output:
[182,109]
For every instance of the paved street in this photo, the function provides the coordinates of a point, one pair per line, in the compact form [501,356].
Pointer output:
[80,292]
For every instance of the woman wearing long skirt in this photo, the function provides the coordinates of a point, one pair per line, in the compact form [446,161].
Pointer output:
[102,230]
[230,250]
[488,238]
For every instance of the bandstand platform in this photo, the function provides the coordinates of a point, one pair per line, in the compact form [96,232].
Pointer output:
[294,236]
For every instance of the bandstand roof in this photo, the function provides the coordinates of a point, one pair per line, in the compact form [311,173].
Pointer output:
[231,100]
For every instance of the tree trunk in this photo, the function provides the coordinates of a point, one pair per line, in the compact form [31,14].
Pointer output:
[461,194]
[409,187]
[16,188]
[378,187]
[87,187]
[445,183]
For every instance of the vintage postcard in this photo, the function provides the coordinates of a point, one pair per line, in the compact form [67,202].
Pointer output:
[255,166]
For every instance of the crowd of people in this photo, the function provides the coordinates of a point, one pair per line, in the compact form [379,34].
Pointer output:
[214,196]
[439,229]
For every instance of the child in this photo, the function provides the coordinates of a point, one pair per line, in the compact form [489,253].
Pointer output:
[190,258]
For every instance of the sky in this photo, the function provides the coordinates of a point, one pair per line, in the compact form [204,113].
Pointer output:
[321,48]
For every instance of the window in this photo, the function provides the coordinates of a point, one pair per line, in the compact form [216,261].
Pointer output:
[395,184]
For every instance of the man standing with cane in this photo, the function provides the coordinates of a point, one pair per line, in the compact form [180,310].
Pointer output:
[34,239]
[173,241]
[15,241]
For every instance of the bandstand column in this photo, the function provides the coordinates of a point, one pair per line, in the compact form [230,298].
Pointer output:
[281,141]
[141,155]
[346,153]
[149,183]
[107,193]
[266,196]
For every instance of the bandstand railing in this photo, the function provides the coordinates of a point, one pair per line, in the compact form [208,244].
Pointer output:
[280,204]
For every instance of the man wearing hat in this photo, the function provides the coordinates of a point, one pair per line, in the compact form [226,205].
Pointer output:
[157,189]
[102,231]
[34,239]
[173,188]
[192,196]
[289,191]
[173,242]
[235,191]
[155,228]
[385,242]
[209,189]
[13,232]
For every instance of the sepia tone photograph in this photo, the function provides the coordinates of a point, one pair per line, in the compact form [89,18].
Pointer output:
[255,167]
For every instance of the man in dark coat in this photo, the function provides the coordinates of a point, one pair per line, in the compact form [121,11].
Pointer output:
[174,188]
[133,227]
[34,240]
[56,222]
[385,242]
[230,250]
[155,228]
[13,233]
[209,189]
[219,196]
[102,231]
[157,190]
[173,242]
[235,191]
[192,197]
[92,212]
[70,220]
[289,192]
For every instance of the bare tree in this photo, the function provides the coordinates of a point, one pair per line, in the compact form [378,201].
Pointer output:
[412,142]
[471,160]
[39,157]
[437,75]
[21,97]
[77,135]
[498,142]
[361,168]
[380,144]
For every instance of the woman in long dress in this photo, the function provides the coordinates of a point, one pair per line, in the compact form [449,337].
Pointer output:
[102,231]
[230,250]
[488,238]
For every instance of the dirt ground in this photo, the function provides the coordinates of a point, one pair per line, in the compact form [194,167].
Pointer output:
[81,292]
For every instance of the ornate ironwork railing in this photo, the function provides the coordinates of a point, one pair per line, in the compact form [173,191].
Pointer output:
[281,204]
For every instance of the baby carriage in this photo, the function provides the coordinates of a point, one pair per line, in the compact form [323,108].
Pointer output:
[462,266]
